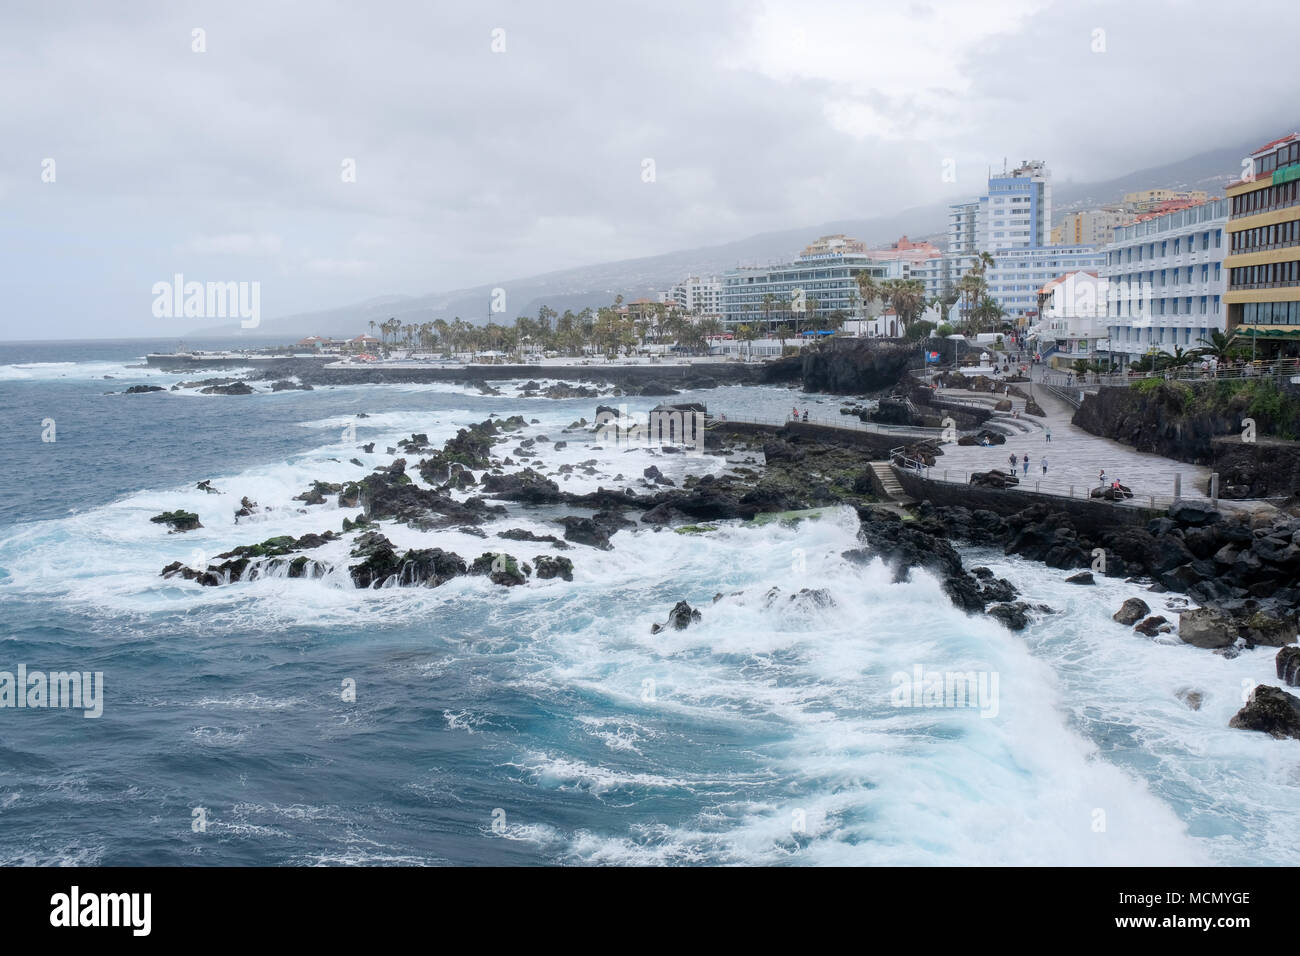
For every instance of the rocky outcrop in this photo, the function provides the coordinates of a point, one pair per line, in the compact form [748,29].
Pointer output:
[178,520]
[1200,552]
[552,566]
[234,388]
[902,546]
[501,568]
[1264,468]
[519,534]
[250,560]
[526,487]
[1269,710]
[1288,665]
[470,448]
[854,366]
[382,564]
[586,531]
[994,479]
[1181,421]
[679,618]
[1131,611]
[1151,626]
[1224,626]
[391,494]
[315,495]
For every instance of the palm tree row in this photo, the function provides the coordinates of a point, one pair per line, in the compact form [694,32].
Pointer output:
[605,330]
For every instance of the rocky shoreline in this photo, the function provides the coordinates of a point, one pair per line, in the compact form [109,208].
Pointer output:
[1243,572]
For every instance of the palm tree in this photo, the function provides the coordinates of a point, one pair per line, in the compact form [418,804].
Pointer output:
[746,333]
[971,289]
[988,311]
[868,290]
[1222,347]
[769,302]
[906,297]
[1181,358]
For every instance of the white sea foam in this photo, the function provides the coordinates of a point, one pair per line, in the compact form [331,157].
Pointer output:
[1088,718]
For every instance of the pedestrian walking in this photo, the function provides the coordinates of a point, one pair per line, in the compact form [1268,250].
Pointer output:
[1044,465]
[1012,459]
[1101,478]
[1026,463]
[1049,434]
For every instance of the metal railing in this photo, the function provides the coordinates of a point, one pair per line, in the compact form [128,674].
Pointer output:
[1279,369]
[1072,396]
[843,422]
[1041,486]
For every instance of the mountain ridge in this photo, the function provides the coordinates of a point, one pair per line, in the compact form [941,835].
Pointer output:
[594,285]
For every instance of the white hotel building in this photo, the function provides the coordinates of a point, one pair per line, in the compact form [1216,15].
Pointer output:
[1167,281]
[697,296]
[1011,222]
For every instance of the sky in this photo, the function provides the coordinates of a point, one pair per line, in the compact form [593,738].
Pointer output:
[327,153]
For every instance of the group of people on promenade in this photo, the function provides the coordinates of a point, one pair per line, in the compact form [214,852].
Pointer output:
[1025,461]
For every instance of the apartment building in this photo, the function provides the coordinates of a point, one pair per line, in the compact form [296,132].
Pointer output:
[1167,281]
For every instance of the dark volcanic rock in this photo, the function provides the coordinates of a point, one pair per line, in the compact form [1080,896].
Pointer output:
[1083,577]
[552,566]
[519,534]
[1131,611]
[679,618]
[903,547]
[1151,626]
[385,495]
[178,520]
[994,479]
[525,486]
[1270,710]
[234,388]
[143,389]
[500,568]
[425,567]
[1014,615]
[1288,665]
[853,366]
[586,531]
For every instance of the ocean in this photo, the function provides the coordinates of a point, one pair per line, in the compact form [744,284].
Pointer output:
[546,724]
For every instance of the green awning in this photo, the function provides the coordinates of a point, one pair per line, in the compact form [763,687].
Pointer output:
[1286,174]
[1254,333]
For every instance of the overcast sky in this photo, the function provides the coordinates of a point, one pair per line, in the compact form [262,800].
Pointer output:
[477,166]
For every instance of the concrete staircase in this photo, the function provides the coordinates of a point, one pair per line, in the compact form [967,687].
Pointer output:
[884,472]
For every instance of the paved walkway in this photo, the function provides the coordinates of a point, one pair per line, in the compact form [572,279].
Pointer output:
[1074,456]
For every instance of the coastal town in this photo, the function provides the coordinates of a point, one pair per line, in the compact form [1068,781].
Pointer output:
[585,435]
[1162,280]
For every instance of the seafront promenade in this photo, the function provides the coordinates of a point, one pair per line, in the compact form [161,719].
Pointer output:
[1074,457]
